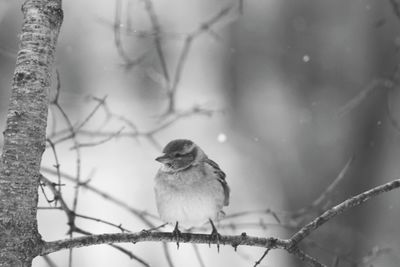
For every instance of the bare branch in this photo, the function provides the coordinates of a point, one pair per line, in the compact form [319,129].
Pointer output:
[129,63]
[291,245]
[165,123]
[353,103]
[121,249]
[119,226]
[142,215]
[339,209]
[157,37]
[262,257]
[49,261]
[145,236]
[91,114]
[198,255]
[57,165]
[204,27]
[167,254]
[262,211]
[325,195]
[92,144]
[71,215]
[305,257]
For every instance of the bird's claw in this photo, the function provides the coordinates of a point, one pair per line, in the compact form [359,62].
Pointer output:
[176,235]
[214,236]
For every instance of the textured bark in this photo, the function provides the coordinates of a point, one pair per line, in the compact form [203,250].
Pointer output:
[25,133]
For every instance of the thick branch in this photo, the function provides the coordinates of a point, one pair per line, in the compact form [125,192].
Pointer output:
[24,136]
[143,236]
[290,245]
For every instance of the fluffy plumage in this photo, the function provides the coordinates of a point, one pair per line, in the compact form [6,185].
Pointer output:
[190,188]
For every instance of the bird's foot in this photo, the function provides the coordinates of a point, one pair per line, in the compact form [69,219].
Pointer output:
[176,235]
[214,236]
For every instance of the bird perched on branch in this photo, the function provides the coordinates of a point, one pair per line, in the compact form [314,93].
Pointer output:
[190,188]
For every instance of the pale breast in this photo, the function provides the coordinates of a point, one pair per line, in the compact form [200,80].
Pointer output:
[190,197]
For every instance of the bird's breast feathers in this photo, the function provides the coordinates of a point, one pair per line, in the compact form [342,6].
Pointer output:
[190,197]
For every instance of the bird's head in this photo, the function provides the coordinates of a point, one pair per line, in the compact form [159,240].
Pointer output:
[180,154]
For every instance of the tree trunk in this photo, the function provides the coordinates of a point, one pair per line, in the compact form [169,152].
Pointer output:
[25,133]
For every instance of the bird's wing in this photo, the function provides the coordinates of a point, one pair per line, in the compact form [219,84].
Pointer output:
[221,178]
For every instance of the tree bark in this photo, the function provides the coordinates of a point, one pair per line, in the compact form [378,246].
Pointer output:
[25,133]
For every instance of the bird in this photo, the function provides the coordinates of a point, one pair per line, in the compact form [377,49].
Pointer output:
[190,188]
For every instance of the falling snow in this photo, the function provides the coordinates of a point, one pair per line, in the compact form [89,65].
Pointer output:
[221,138]
[306,58]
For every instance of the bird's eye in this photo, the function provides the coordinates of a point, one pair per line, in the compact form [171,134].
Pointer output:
[179,154]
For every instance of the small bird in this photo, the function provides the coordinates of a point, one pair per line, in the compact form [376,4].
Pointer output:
[190,188]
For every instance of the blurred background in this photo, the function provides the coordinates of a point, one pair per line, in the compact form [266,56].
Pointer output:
[280,93]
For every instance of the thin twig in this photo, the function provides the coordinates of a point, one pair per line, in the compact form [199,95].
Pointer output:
[167,254]
[57,165]
[311,261]
[262,257]
[119,226]
[72,135]
[269,211]
[71,215]
[142,215]
[326,194]
[361,96]
[157,37]
[204,27]
[49,261]
[92,144]
[91,114]
[45,195]
[149,134]
[121,249]
[129,62]
[198,255]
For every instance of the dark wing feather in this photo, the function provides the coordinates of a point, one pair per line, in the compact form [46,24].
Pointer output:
[221,178]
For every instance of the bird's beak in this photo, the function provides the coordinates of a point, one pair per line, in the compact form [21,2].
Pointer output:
[163,159]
